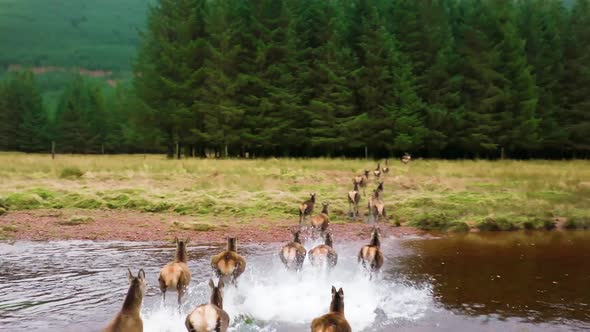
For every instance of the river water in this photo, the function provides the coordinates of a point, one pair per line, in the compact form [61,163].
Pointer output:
[519,281]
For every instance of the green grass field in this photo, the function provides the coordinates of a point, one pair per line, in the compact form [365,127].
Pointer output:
[429,194]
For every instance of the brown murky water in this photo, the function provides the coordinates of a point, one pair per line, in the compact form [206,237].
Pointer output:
[538,281]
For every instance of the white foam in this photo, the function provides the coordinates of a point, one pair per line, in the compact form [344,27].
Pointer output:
[269,297]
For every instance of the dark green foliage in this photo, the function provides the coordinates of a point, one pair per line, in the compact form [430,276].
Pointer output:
[457,78]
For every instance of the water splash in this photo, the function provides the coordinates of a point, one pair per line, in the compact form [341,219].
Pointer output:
[269,298]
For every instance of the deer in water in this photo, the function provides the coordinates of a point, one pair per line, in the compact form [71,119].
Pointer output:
[306,208]
[176,275]
[209,317]
[354,198]
[376,206]
[371,256]
[385,169]
[406,158]
[228,264]
[324,253]
[377,171]
[293,253]
[362,181]
[320,223]
[334,321]
[128,319]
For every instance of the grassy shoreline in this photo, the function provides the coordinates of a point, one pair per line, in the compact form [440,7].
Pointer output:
[428,194]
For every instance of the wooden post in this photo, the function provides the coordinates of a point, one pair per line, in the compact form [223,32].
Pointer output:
[366,152]
[502,153]
[52,149]
[225,152]
[102,148]
[177,150]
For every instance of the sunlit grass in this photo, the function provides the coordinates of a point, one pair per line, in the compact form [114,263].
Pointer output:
[427,193]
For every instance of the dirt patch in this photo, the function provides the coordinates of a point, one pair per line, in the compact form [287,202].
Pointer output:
[43,225]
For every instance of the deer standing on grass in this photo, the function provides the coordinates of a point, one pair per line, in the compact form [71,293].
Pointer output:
[209,317]
[406,158]
[377,171]
[371,256]
[354,198]
[334,321]
[293,253]
[228,264]
[385,169]
[320,222]
[362,181]
[128,319]
[176,275]
[324,254]
[306,208]
[376,206]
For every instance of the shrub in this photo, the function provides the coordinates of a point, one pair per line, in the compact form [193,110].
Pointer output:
[71,173]
[496,224]
[458,227]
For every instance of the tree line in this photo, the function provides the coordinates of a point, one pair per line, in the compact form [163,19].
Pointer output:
[438,78]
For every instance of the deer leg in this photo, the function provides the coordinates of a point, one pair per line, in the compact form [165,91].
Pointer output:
[181,290]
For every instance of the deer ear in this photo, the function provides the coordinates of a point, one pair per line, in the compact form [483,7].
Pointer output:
[129,275]
[333,290]
[141,274]
[176,240]
[186,241]
[211,284]
[340,292]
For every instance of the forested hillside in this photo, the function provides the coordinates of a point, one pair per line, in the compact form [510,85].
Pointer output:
[462,78]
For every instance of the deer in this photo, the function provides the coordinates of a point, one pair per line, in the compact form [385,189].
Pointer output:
[354,198]
[176,275]
[385,169]
[293,254]
[228,265]
[334,321]
[324,254]
[376,206]
[306,208]
[209,317]
[320,223]
[406,158]
[362,180]
[377,171]
[371,256]
[128,318]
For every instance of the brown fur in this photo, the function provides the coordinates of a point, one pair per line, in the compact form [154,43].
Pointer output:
[406,158]
[334,321]
[176,275]
[385,168]
[376,206]
[324,252]
[293,254]
[353,200]
[228,264]
[362,181]
[371,255]
[209,317]
[128,319]
[320,223]
[306,208]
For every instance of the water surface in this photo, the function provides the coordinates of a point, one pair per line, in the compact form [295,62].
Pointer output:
[517,281]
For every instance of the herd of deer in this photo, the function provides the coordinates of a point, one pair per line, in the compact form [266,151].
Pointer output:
[228,265]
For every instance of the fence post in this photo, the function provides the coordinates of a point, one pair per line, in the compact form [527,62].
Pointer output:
[52,149]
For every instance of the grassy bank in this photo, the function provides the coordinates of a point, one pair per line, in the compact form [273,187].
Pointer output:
[430,194]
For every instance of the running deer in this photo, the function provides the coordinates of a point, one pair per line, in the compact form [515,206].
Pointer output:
[371,256]
[385,169]
[306,208]
[362,181]
[377,171]
[128,319]
[324,254]
[228,264]
[209,317]
[293,253]
[176,275]
[406,158]
[320,223]
[376,206]
[334,321]
[354,198]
